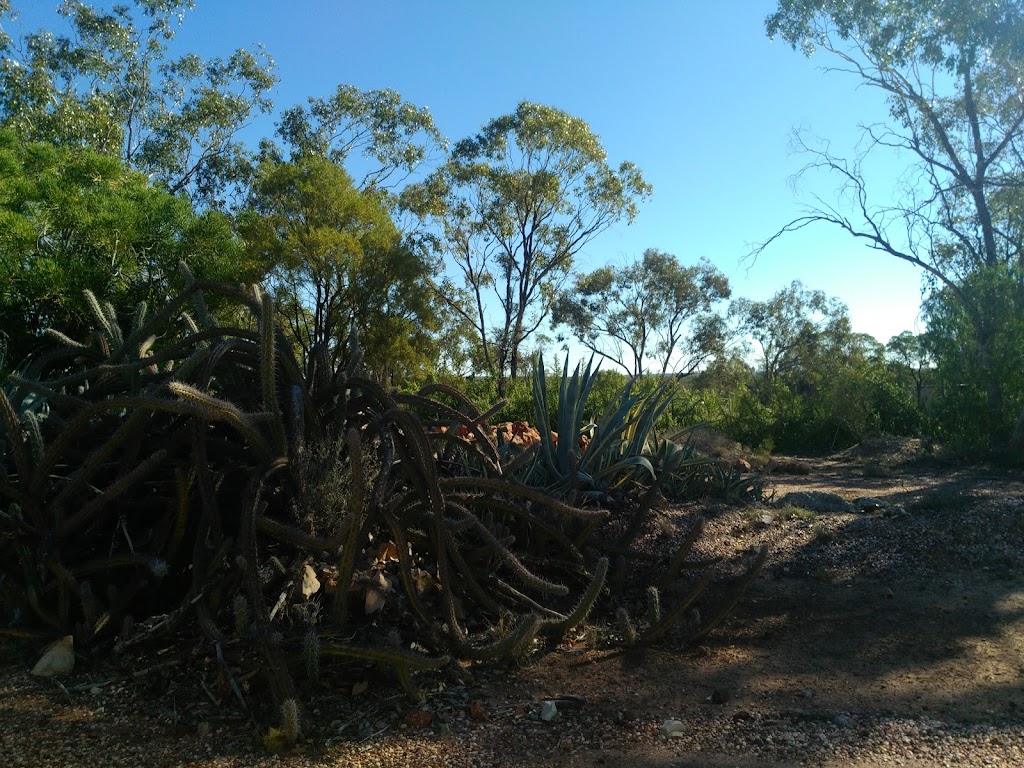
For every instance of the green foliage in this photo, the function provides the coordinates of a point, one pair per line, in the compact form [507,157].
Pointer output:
[394,136]
[73,220]
[950,72]
[653,308]
[513,206]
[111,87]
[337,262]
[963,412]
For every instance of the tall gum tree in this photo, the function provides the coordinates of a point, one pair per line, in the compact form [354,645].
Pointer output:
[653,308]
[110,85]
[513,206]
[953,75]
[336,262]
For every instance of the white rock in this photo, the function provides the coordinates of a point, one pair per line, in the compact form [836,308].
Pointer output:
[672,729]
[58,658]
[548,710]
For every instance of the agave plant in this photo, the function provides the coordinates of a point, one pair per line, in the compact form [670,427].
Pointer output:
[619,441]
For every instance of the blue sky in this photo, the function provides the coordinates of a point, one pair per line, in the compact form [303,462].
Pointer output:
[693,93]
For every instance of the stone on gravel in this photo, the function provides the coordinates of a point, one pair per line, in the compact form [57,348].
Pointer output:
[672,729]
[870,504]
[816,501]
[548,711]
[58,658]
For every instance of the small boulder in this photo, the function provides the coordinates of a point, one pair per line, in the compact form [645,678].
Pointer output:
[871,504]
[58,658]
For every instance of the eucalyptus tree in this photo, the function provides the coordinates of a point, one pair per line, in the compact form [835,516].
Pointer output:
[952,74]
[790,326]
[111,85]
[513,206]
[390,139]
[337,262]
[651,308]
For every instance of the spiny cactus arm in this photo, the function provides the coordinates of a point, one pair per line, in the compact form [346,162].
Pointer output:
[626,626]
[481,450]
[268,373]
[181,514]
[86,512]
[684,549]
[425,618]
[96,459]
[470,580]
[400,661]
[48,617]
[202,311]
[534,521]
[521,572]
[420,463]
[656,631]
[16,443]
[518,597]
[64,339]
[505,486]
[299,538]
[744,582]
[215,409]
[155,565]
[352,535]
[106,320]
[579,614]
[522,459]
[514,643]
[468,406]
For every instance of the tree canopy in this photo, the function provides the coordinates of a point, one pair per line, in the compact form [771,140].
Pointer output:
[513,205]
[110,86]
[71,220]
[336,262]
[951,72]
[651,308]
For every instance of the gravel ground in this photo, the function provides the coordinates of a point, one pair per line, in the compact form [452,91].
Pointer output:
[779,685]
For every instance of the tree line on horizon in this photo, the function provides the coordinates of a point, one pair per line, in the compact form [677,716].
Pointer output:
[455,262]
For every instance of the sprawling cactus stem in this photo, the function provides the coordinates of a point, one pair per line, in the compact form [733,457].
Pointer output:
[579,614]
[181,510]
[658,630]
[757,563]
[35,436]
[515,565]
[684,549]
[90,608]
[290,722]
[401,661]
[352,529]
[268,371]
[513,644]
[653,605]
[311,655]
[12,427]
[123,484]
[626,626]
[139,316]
[105,317]
[243,618]
[213,409]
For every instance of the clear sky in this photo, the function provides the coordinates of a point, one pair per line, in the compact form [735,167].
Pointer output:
[692,92]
